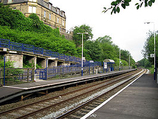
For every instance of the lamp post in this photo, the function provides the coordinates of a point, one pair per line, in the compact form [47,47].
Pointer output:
[154,49]
[82,53]
[119,59]
[129,61]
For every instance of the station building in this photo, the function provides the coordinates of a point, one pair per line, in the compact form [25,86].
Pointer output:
[45,10]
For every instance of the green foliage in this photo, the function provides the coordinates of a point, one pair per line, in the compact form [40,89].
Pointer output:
[77,38]
[10,72]
[93,49]
[26,64]
[38,25]
[14,19]
[107,47]
[38,66]
[115,5]
[144,63]
[8,64]
[85,53]
[149,49]
[45,40]
[123,62]
[151,69]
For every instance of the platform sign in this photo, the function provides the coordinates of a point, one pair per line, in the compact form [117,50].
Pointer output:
[151,55]
[105,65]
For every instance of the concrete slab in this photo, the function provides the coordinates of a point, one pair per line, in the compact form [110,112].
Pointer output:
[138,101]
[4,91]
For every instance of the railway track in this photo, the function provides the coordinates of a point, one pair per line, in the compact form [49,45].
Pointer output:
[64,104]
[81,110]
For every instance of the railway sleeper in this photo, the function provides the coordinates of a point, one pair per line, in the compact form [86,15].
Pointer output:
[75,116]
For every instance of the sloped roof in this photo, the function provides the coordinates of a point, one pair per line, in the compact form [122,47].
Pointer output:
[109,60]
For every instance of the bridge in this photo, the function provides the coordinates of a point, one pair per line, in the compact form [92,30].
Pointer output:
[17,51]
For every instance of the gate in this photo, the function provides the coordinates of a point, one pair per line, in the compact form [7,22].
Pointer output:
[41,74]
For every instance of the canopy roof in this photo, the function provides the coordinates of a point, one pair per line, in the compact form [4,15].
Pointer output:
[109,60]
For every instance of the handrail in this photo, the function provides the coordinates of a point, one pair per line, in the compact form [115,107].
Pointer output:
[5,43]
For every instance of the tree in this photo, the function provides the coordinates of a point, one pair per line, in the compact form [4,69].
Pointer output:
[93,49]
[144,63]
[107,49]
[38,25]
[124,55]
[81,29]
[149,47]
[115,5]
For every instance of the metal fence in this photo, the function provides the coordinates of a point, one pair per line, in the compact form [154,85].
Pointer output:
[24,75]
[16,76]
[71,71]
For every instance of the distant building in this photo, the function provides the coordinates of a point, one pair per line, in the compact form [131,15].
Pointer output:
[49,14]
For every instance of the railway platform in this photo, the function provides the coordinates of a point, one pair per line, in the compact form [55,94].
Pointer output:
[138,101]
[22,90]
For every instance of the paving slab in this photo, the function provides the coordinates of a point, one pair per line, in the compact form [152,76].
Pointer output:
[138,101]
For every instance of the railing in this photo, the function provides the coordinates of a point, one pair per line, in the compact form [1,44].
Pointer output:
[16,76]
[69,70]
[5,43]
[62,70]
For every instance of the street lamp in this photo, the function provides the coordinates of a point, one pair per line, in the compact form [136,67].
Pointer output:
[82,53]
[154,49]
[129,61]
[119,59]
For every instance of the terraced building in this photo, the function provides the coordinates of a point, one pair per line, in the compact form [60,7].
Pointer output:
[45,10]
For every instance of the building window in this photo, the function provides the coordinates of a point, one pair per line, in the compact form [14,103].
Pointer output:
[50,6]
[57,20]
[33,0]
[32,9]
[57,11]
[63,22]
[63,14]
[50,16]
[44,13]
[10,1]
[14,8]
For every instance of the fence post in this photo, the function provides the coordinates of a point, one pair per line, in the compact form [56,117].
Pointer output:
[27,74]
[46,74]
[1,75]
[22,47]
[9,44]
[89,67]
[4,72]
[42,51]
[93,69]
[33,74]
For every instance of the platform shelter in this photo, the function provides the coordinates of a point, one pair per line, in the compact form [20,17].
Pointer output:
[108,65]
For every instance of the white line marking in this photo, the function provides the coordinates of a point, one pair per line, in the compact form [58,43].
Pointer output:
[147,71]
[95,109]
[16,87]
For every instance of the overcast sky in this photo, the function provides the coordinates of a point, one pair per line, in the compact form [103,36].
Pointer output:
[127,28]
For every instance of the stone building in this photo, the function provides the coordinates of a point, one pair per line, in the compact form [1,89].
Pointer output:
[45,10]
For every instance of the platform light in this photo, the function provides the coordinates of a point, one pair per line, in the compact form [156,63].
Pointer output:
[155,71]
[82,53]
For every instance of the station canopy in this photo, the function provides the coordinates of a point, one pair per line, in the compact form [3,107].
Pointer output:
[109,61]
